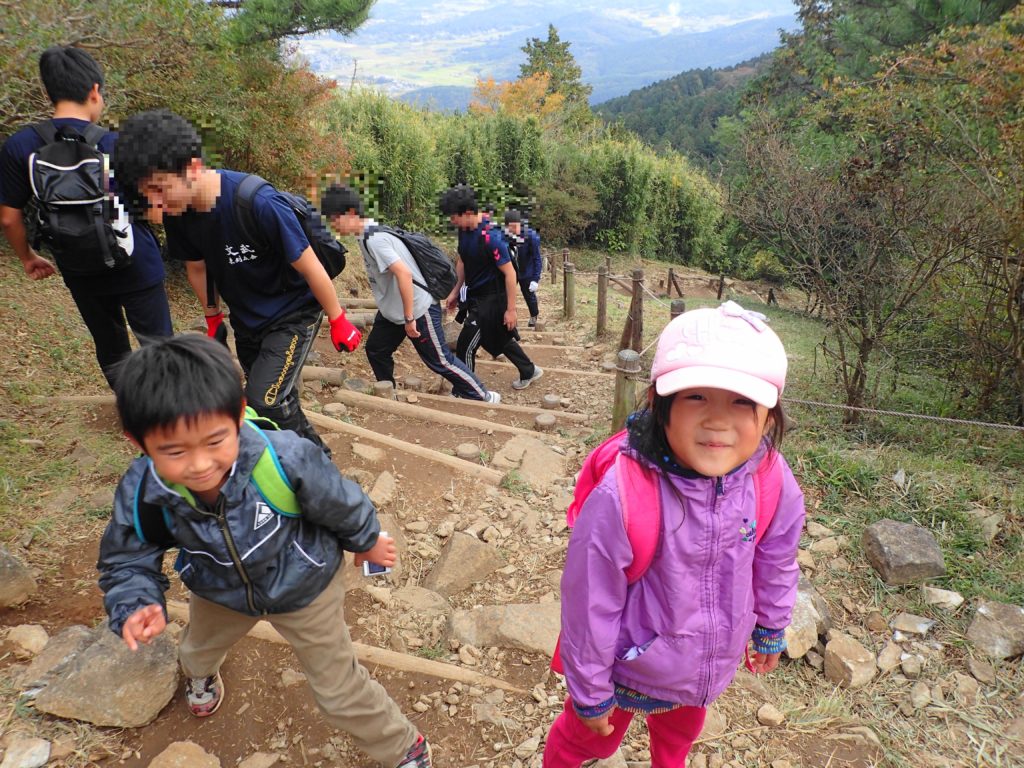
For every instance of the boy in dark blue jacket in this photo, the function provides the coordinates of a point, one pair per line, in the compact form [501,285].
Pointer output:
[181,403]
[487,286]
[528,256]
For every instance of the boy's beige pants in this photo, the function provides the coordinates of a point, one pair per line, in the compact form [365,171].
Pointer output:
[348,697]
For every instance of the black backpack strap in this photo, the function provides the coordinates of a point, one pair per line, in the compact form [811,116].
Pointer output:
[244,196]
[93,134]
[396,232]
[47,131]
[150,522]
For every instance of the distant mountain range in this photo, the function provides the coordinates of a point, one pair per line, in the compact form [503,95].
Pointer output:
[433,55]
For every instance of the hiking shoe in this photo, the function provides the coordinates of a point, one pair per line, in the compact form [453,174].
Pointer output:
[533,322]
[492,397]
[418,756]
[523,384]
[204,694]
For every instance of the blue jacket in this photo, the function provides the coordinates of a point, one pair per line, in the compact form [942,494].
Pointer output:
[248,559]
[530,261]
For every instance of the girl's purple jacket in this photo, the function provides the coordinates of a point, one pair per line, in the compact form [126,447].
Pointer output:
[684,626]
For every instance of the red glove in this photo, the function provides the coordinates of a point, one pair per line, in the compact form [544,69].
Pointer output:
[344,335]
[213,323]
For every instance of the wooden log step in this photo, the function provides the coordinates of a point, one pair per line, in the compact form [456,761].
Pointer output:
[355,303]
[564,371]
[486,474]
[371,655]
[579,418]
[398,408]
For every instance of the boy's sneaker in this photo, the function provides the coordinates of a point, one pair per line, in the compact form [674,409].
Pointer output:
[418,756]
[492,397]
[524,383]
[533,322]
[204,694]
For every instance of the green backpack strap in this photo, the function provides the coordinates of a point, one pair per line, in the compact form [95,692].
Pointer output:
[268,475]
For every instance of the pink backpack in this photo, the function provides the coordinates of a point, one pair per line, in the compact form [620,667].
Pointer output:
[640,500]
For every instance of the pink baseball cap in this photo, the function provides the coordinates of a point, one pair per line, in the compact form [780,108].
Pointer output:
[725,348]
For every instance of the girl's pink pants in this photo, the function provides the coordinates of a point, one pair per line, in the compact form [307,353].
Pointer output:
[570,742]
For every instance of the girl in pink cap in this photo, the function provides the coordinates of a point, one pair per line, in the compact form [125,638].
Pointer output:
[665,643]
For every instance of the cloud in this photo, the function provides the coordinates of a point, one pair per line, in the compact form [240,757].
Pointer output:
[674,20]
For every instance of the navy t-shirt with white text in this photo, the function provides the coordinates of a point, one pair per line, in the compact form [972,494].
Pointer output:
[258,287]
[146,269]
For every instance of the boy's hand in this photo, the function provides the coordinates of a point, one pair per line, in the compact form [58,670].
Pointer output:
[143,625]
[762,663]
[599,725]
[344,335]
[384,553]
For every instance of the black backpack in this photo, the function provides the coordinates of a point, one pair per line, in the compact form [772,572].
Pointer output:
[72,215]
[326,247]
[435,266]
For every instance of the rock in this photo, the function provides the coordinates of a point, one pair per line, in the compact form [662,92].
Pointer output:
[355,384]
[370,453]
[529,627]
[941,598]
[384,490]
[988,521]
[418,600]
[335,410]
[290,677]
[910,666]
[538,465]
[983,671]
[808,622]
[805,560]
[468,451]
[875,622]
[361,476]
[528,748]
[715,724]
[997,630]
[417,526]
[16,581]
[464,560]
[817,530]
[28,639]
[618,760]
[60,648]
[827,547]
[26,753]
[890,657]
[467,657]
[185,754]
[911,624]
[920,695]
[544,422]
[106,684]
[769,715]
[848,663]
[967,689]
[102,499]
[260,760]
[902,553]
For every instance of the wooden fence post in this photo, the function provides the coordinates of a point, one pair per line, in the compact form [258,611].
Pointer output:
[553,268]
[678,307]
[637,341]
[671,281]
[565,256]
[602,300]
[569,292]
[626,369]
[721,286]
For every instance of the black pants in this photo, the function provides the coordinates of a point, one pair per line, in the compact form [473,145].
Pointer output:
[485,327]
[272,360]
[432,348]
[146,311]
[530,297]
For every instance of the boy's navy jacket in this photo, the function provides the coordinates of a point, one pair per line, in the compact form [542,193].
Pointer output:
[529,258]
[287,560]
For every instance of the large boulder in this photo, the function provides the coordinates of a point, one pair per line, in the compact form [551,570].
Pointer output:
[902,553]
[105,683]
[537,465]
[16,581]
[464,561]
[997,630]
[532,627]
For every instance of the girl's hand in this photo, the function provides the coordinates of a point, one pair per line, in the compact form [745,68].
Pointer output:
[384,553]
[599,725]
[143,625]
[763,663]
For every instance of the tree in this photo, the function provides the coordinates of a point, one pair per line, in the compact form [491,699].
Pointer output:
[552,57]
[260,21]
